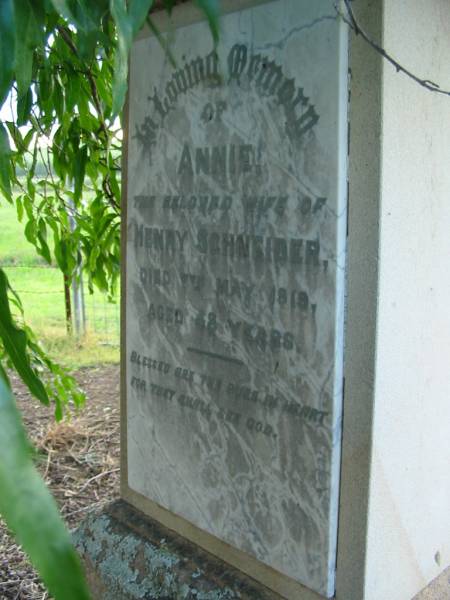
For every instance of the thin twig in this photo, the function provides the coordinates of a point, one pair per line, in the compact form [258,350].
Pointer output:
[49,457]
[10,582]
[351,21]
[89,481]
[88,508]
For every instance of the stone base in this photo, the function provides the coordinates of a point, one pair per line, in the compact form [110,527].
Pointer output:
[129,556]
[439,588]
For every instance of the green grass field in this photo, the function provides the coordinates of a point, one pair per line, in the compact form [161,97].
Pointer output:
[14,248]
[41,290]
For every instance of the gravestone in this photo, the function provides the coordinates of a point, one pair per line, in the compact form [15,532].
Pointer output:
[241,446]
[235,255]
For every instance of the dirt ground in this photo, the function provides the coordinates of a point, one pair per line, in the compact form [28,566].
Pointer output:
[79,460]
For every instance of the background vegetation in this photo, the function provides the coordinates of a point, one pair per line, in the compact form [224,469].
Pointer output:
[41,290]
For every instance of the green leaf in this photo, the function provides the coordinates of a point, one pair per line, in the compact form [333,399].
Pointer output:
[115,188]
[27,139]
[73,91]
[29,25]
[62,7]
[60,250]
[24,105]
[5,168]
[30,231]
[84,14]
[138,11]
[31,512]
[79,171]
[28,207]
[15,343]
[124,38]
[58,98]
[212,12]
[6,47]
[43,249]
[168,5]
[19,207]
[128,24]
[45,86]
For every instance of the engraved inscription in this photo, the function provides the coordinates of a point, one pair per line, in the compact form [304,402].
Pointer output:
[235,272]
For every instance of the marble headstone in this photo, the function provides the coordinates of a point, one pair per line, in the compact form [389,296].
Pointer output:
[235,264]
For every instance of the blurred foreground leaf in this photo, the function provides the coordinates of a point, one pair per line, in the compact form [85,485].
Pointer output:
[211,8]
[30,511]
[129,18]
[6,47]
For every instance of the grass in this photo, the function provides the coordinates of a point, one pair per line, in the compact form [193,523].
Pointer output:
[41,291]
[14,247]
[74,353]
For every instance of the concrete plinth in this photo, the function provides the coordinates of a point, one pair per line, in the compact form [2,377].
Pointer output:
[129,556]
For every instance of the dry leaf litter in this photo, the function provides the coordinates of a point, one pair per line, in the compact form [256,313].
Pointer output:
[79,460]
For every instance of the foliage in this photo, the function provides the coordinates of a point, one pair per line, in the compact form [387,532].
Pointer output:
[41,292]
[30,510]
[63,73]
[22,351]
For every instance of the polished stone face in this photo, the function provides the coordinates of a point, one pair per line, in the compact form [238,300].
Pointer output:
[235,278]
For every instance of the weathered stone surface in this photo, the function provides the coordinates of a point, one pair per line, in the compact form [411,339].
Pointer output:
[439,588]
[128,556]
[235,264]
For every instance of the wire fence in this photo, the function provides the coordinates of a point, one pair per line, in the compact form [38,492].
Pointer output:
[42,293]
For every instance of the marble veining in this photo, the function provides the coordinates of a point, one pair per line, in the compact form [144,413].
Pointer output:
[235,281]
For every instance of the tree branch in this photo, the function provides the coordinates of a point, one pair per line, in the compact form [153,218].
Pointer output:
[352,22]
[65,34]
[110,195]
